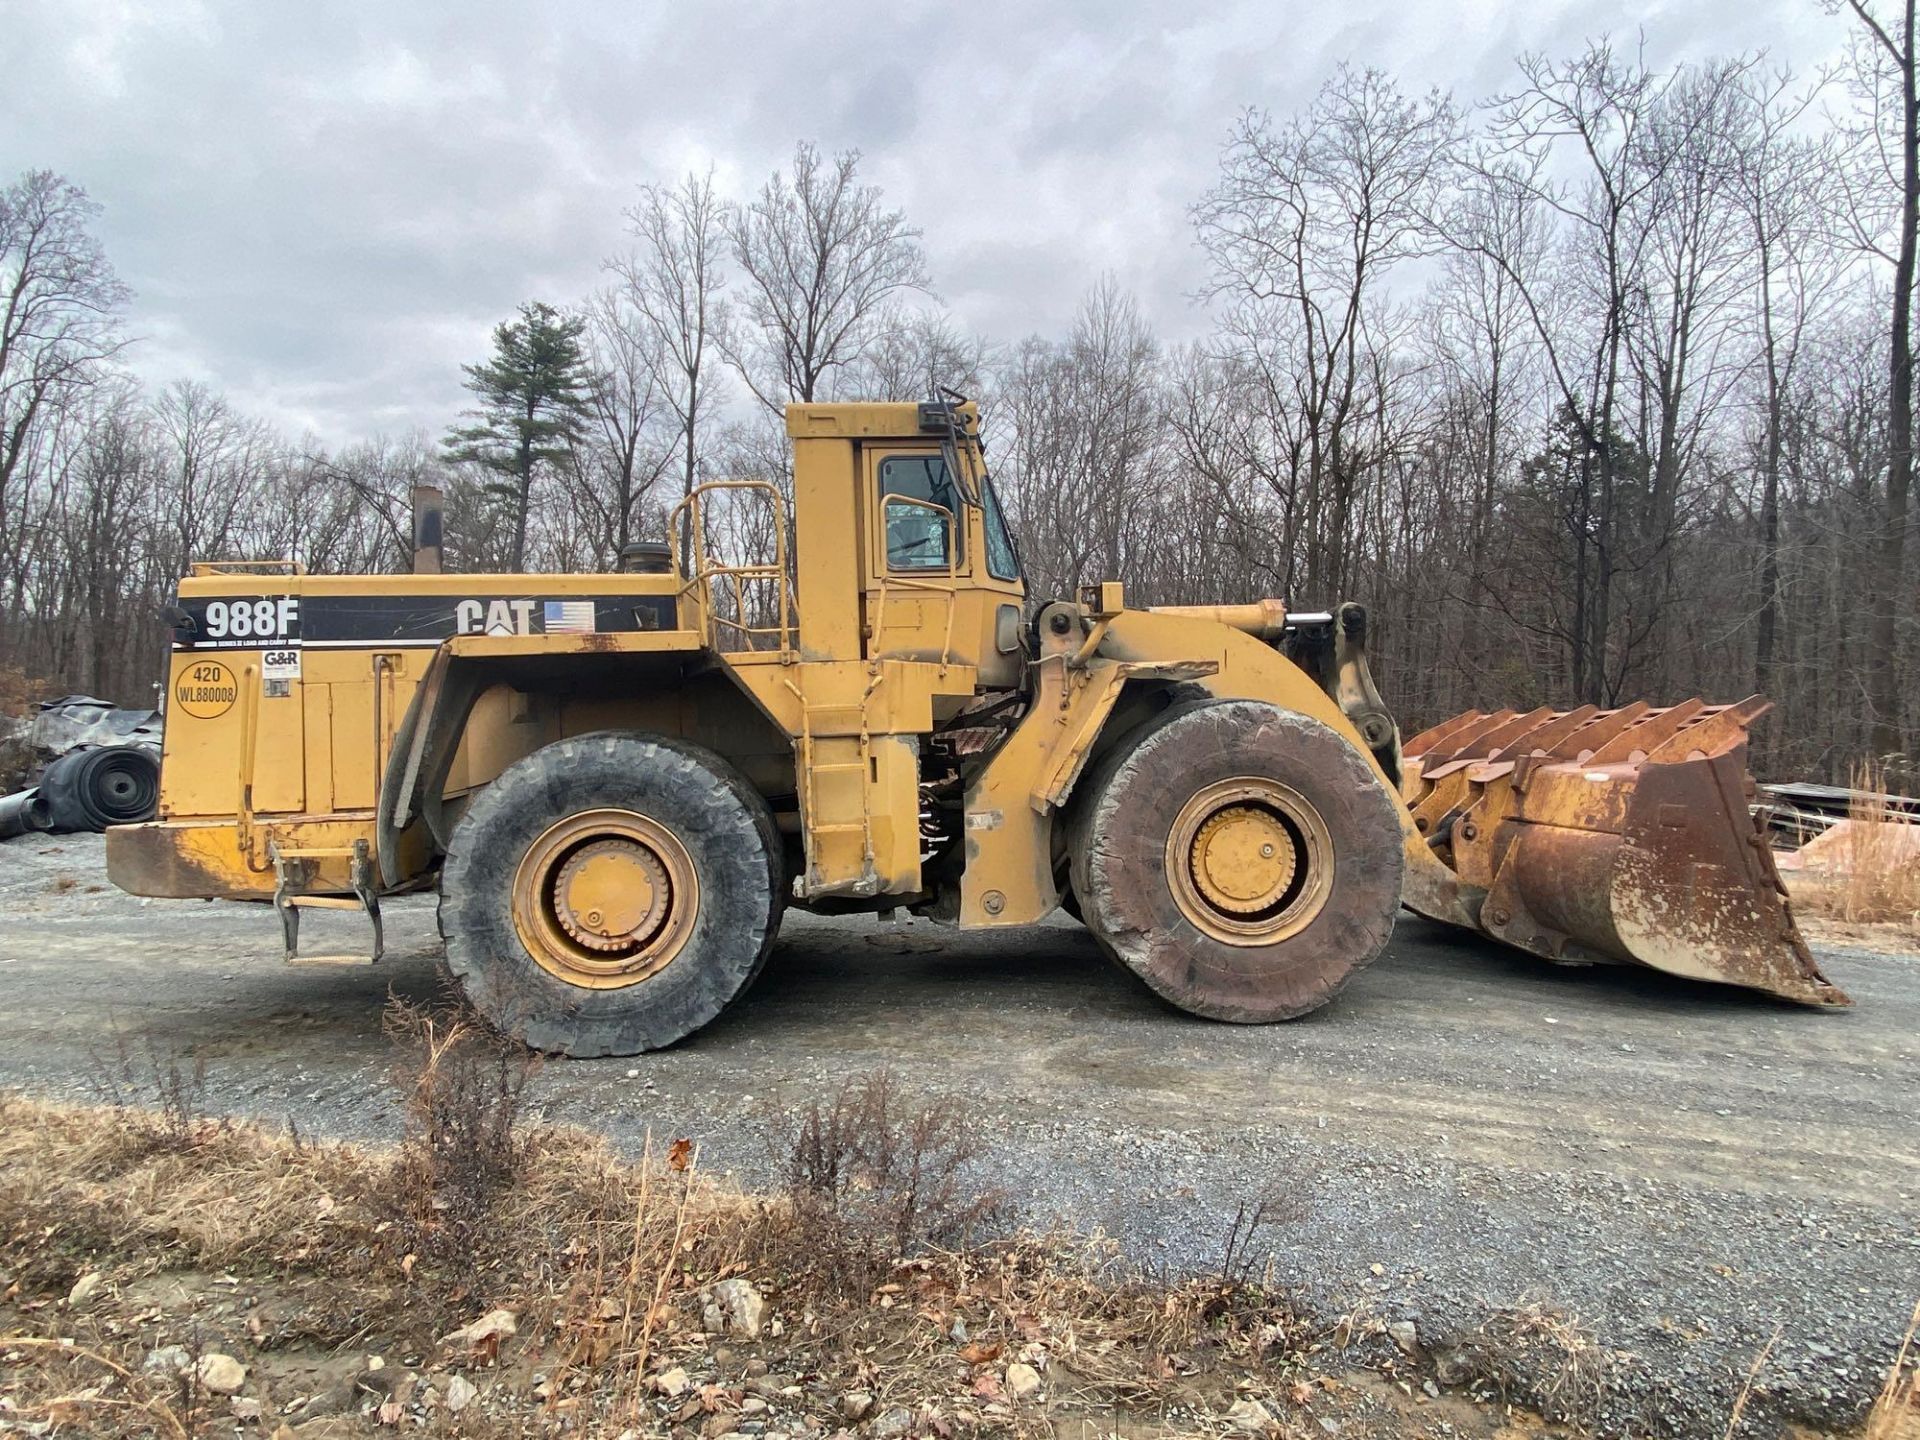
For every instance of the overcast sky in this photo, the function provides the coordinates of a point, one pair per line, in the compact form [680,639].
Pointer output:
[324,207]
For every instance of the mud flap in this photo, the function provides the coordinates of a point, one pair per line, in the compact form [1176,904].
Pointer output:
[1620,835]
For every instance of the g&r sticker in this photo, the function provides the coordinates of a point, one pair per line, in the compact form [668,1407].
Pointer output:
[206,690]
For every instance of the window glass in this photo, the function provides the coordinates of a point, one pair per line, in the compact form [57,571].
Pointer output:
[1003,562]
[917,537]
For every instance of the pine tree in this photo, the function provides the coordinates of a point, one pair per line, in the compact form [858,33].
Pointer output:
[533,395]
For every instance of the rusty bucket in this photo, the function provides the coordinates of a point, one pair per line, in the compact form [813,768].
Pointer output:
[1622,835]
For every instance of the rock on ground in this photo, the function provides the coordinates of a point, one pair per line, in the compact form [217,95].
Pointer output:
[220,1374]
[741,1306]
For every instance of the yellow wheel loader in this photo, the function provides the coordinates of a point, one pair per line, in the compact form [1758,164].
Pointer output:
[618,781]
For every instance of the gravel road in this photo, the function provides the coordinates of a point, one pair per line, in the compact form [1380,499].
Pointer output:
[1682,1168]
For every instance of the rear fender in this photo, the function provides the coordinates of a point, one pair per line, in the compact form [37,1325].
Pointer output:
[505,698]
[412,789]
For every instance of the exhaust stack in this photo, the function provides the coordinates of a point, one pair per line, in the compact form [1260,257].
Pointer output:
[429,517]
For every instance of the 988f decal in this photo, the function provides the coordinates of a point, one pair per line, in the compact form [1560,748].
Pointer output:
[267,620]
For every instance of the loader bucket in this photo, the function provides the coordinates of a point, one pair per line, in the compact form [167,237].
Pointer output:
[1611,835]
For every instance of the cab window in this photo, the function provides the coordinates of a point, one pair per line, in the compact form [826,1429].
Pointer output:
[1003,561]
[917,534]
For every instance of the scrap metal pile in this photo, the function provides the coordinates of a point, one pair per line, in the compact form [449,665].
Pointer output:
[1799,813]
[102,768]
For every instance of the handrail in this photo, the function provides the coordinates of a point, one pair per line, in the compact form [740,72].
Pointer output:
[690,513]
[889,579]
[249,739]
[385,664]
[246,567]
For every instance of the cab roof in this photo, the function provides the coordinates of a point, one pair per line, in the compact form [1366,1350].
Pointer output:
[878,421]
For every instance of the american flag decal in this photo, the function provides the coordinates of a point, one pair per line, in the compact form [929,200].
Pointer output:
[569,617]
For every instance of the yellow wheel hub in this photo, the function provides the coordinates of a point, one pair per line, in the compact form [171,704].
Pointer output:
[610,893]
[1242,859]
[605,898]
[1249,861]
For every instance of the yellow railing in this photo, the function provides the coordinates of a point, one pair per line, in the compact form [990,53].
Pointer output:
[687,527]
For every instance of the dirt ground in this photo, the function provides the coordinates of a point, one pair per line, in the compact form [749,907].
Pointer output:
[1684,1170]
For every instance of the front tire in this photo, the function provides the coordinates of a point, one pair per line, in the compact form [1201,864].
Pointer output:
[610,894]
[1241,859]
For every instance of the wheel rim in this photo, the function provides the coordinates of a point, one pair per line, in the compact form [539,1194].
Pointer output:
[605,898]
[1250,861]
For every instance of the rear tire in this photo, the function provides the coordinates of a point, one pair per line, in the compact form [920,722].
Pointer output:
[1241,859]
[610,894]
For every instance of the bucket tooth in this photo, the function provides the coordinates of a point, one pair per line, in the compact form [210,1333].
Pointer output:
[1648,734]
[1545,737]
[1714,733]
[1488,740]
[1462,738]
[1598,731]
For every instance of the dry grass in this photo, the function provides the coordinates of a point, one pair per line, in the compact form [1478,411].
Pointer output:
[1896,1409]
[18,694]
[300,1259]
[871,1179]
[608,1274]
[872,1276]
[1544,1354]
[1870,872]
[461,1151]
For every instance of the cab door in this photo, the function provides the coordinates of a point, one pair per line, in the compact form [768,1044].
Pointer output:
[942,582]
[917,563]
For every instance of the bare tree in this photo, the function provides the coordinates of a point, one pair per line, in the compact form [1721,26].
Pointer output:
[1685,341]
[673,282]
[627,448]
[1784,187]
[1089,453]
[916,352]
[361,519]
[60,306]
[214,459]
[1886,71]
[1307,220]
[1591,112]
[1484,342]
[820,256]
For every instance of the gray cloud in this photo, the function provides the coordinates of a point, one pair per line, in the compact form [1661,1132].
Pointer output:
[323,209]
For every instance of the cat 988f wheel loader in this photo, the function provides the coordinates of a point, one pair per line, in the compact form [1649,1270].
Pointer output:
[620,780]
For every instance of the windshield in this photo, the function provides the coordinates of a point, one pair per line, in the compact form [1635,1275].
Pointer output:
[1003,561]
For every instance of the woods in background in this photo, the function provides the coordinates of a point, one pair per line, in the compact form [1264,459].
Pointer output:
[1599,389]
